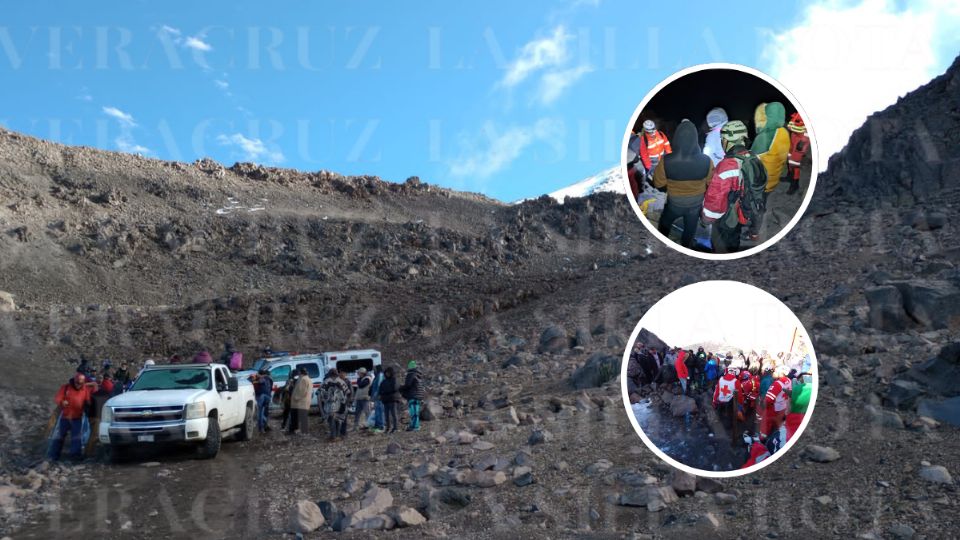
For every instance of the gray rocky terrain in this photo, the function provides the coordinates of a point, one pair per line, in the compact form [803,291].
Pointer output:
[518,315]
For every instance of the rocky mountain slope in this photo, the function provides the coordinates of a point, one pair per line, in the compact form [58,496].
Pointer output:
[518,315]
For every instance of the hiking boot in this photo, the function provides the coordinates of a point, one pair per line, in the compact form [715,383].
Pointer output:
[376,430]
[794,187]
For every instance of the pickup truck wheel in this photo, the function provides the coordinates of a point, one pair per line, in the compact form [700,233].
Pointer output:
[210,447]
[249,427]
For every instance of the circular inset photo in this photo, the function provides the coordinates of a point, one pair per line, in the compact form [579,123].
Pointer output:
[719,378]
[719,161]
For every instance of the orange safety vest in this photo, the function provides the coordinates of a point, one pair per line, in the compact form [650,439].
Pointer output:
[653,146]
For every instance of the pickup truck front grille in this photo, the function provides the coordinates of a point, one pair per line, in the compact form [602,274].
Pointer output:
[148,414]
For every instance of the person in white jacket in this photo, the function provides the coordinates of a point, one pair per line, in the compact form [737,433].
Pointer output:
[713,147]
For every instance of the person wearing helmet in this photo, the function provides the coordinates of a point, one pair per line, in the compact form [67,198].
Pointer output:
[735,193]
[799,146]
[653,145]
[713,147]
[776,403]
[725,397]
[685,174]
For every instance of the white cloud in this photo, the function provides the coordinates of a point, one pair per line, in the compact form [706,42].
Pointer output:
[125,143]
[554,83]
[223,85]
[125,119]
[252,149]
[501,148]
[846,60]
[195,43]
[538,54]
[191,42]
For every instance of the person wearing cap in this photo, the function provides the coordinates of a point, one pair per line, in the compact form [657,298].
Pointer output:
[713,147]
[72,400]
[685,173]
[412,390]
[361,396]
[653,145]
[799,146]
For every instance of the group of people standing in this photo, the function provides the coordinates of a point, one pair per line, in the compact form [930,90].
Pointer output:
[378,390]
[755,391]
[725,183]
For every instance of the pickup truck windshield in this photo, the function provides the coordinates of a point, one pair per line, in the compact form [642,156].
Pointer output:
[173,379]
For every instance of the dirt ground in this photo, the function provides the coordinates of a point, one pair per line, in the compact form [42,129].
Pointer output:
[119,257]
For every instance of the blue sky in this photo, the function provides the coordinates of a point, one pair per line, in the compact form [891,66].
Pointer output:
[505,98]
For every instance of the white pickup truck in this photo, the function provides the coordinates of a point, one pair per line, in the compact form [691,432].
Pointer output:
[180,403]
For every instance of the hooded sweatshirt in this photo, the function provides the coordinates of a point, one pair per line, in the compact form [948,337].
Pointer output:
[772,143]
[686,171]
[713,148]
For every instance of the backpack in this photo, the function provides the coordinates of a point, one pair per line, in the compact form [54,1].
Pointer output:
[753,182]
[333,398]
[236,361]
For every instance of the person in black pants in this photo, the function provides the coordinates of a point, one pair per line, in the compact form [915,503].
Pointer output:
[390,396]
[685,174]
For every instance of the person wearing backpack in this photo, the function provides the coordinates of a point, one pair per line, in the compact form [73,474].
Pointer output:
[771,145]
[711,369]
[413,391]
[335,395]
[361,396]
[390,397]
[685,174]
[735,194]
[699,363]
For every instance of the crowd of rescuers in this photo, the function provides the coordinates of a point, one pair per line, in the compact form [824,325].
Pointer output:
[725,184]
[756,391]
[373,405]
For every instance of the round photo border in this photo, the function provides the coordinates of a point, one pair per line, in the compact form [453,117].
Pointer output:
[814,157]
[718,474]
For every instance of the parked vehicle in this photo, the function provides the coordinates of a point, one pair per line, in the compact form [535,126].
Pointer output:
[280,368]
[197,404]
[352,361]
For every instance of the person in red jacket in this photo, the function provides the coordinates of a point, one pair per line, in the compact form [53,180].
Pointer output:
[747,397]
[776,403]
[758,452]
[72,400]
[799,146]
[682,373]
[724,397]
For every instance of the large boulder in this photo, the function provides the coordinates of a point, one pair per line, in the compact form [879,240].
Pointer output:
[946,411]
[902,394]
[898,305]
[682,405]
[598,369]
[553,339]
[431,410]
[649,339]
[6,302]
[306,517]
[886,309]
[375,501]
